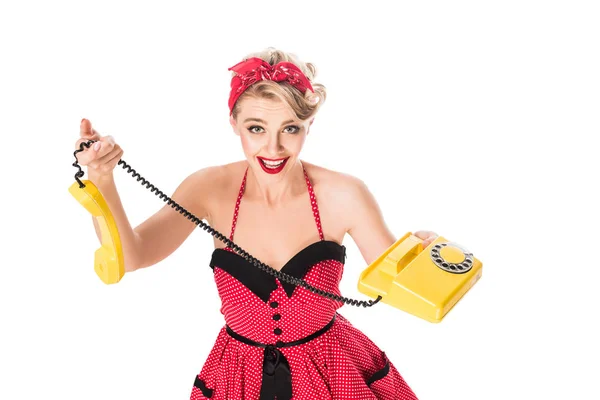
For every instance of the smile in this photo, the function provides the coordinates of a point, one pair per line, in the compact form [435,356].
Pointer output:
[272,166]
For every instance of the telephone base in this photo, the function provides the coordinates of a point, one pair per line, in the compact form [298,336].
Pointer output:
[426,283]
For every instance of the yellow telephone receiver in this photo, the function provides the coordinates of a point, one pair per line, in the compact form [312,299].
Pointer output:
[109,262]
[427,282]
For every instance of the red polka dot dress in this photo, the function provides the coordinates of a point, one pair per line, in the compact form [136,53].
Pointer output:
[282,341]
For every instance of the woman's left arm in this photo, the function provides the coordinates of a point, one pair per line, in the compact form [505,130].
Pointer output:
[367,226]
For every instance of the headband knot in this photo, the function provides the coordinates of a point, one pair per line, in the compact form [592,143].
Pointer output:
[255,69]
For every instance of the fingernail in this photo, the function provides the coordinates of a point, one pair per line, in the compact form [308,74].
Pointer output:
[97,146]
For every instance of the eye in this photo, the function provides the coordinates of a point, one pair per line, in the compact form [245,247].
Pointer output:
[292,129]
[255,129]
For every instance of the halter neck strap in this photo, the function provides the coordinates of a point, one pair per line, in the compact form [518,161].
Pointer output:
[311,193]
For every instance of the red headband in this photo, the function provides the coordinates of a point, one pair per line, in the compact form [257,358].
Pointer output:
[256,69]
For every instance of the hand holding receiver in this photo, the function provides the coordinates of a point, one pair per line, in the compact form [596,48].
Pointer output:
[424,281]
[100,155]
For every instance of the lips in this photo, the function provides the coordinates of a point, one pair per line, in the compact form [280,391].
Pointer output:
[272,166]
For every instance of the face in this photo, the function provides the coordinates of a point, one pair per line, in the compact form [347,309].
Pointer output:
[271,136]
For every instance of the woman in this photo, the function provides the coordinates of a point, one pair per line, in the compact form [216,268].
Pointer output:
[279,340]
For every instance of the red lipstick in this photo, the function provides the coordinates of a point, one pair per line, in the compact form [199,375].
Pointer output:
[271,169]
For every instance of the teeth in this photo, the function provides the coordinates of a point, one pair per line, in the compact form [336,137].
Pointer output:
[272,164]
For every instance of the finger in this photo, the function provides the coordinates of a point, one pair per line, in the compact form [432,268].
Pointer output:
[78,144]
[104,158]
[85,128]
[112,163]
[108,162]
[421,234]
[88,155]
[94,152]
[84,140]
[104,146]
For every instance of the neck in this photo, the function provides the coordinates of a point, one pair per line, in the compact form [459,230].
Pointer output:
[274,191]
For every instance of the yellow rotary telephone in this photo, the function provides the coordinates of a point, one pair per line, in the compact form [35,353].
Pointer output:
[426,283]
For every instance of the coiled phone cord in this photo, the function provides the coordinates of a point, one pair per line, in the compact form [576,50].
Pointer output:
[257,263]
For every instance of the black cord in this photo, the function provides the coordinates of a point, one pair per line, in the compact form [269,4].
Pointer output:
[278,274]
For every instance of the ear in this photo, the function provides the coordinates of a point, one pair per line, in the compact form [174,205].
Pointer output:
[233,123]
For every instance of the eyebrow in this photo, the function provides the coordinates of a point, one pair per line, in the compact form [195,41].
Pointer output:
[289,121]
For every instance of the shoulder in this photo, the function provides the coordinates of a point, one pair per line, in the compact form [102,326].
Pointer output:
[218,176]
[343,187]
[351,204]
[213,183]
[343,195]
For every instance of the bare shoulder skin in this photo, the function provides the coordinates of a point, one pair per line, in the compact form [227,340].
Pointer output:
[162,233]
[201,194]
[348,206]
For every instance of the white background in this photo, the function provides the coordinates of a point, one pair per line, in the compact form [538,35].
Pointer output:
[478,120]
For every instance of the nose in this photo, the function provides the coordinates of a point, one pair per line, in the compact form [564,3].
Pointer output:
[274,145]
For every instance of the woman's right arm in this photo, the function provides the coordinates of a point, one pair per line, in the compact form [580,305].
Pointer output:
[160,235]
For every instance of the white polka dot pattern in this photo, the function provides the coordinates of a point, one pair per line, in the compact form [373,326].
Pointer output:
[339,364]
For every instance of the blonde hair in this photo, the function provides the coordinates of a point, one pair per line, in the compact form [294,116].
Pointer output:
[304,106]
